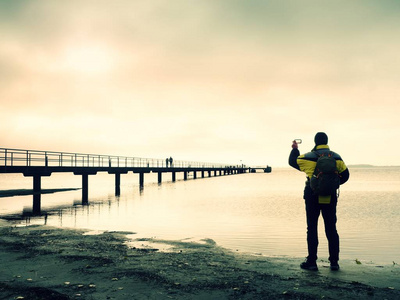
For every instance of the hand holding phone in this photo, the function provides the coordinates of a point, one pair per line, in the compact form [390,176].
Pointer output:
[296,143]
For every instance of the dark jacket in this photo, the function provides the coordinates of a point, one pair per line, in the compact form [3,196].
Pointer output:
[307,162]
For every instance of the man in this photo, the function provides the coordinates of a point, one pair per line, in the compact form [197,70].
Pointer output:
[315,204]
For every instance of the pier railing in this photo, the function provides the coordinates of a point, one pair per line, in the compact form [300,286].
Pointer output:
[30,158]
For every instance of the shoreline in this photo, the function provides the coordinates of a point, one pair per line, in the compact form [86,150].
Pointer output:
[25,192]
[42,262]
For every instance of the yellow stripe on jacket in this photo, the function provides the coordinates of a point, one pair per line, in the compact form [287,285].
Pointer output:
[308,161]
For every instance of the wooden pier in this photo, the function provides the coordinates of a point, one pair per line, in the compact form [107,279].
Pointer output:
[37,164]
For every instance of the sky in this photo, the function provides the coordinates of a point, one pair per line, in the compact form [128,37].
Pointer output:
[222,81]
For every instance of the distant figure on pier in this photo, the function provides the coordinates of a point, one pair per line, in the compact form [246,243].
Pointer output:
[170,161]
[166,161]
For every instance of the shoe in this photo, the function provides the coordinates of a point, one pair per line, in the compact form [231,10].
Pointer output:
[309,265]
[334,266]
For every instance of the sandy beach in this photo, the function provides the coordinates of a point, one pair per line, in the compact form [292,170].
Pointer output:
[41,262]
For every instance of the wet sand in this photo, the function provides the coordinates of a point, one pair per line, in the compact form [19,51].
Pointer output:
[41,262]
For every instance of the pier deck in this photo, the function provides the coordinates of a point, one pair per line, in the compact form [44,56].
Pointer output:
[37,164]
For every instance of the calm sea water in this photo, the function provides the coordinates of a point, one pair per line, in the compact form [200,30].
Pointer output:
[258,213]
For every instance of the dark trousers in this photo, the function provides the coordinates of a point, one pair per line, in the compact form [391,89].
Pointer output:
[313,210]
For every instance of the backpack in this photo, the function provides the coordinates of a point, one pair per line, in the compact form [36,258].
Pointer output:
[325,180]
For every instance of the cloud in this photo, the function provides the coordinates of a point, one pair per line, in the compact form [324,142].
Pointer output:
[222,79]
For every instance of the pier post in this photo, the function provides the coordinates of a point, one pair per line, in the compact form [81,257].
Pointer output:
[184,175]
[37,189]
[209,173]
[173,176]
[141,179]
[159,177]
[202,174]
[85,189]
[117,184]
[85,185]
[194,174]
[36,194]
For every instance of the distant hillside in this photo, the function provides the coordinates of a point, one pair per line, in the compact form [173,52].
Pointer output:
[370,166]
[361,166]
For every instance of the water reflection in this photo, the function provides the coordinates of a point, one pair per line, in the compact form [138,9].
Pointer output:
[259,213]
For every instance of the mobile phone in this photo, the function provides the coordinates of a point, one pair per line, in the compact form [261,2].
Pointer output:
[298,141]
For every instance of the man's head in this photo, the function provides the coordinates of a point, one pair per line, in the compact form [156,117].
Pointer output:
[321,139]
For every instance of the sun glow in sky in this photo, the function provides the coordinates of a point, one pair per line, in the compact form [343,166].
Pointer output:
[215,81]
[87,59]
